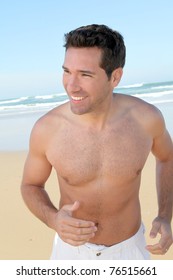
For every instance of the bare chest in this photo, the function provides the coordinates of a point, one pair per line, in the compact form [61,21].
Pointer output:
[80,157]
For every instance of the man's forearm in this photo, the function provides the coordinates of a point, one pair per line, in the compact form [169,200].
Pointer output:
[39,203]
[164,183]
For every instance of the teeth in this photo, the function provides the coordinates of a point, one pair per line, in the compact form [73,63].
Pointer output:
[77,98]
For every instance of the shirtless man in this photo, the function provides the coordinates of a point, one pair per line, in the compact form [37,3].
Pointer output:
[98,143]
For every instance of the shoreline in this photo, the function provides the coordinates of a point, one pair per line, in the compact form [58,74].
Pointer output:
[24,237]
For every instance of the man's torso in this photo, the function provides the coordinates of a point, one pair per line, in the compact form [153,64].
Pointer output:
[102,170]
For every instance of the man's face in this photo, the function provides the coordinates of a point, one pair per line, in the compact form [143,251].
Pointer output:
[85,82]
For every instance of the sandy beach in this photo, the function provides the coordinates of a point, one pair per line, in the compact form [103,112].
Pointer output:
[24,237]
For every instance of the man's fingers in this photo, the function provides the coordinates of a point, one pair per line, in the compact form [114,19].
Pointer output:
[78,230]
[75,206]
[161,247]
[66,216]
[81,238]
[77,223]
[71,207]
[77,235]
[75,243]
[73,230]
[156,249]
[71,237]
[155,229]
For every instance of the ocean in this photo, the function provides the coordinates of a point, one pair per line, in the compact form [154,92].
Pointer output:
[18,115]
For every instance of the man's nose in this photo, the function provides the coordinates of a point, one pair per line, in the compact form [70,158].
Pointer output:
[73,84]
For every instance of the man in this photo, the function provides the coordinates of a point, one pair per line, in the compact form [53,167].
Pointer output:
[98,143]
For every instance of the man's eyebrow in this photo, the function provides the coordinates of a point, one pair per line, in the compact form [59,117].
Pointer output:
[81,71]
[65,68]
[87,72]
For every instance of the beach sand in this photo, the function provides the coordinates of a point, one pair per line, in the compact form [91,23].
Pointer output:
[24,237]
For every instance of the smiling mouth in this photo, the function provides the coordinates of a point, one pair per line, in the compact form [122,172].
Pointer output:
[77,98]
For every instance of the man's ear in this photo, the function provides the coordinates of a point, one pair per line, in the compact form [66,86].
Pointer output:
[116,76]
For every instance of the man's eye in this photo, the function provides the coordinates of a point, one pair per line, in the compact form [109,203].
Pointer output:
[86,75]
[66,71]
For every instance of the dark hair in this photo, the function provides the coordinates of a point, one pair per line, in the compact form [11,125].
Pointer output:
[109,41]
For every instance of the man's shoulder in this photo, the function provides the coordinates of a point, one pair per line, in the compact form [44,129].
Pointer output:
[146,110]
[49,122]
[145,114]
[139,106]
[53,116]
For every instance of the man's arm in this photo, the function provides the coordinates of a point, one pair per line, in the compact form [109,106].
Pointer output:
[163,151]
[37,169]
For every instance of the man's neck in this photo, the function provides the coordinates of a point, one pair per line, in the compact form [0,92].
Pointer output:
[97,119]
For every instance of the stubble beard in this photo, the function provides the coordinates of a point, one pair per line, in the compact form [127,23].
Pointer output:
[79,110]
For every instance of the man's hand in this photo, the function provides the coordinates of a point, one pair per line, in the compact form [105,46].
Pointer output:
[71,230]
[163,227]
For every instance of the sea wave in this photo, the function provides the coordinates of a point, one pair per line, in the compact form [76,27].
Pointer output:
[153,94]
[161,101]
[7,101]
[162,87]
[132,86]
[30,106]
[50,96]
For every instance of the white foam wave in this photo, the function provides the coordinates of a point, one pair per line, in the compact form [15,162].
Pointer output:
[154,94]
[31,106]
[162,87]
[162,101]
[132,86]
[43,96]
[50,96]
[14,100]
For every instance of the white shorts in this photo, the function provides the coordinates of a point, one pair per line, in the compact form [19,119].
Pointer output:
[130,249]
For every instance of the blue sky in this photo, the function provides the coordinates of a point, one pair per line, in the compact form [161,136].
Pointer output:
[32,31]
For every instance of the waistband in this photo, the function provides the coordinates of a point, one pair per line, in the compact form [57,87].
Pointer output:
[135,239]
